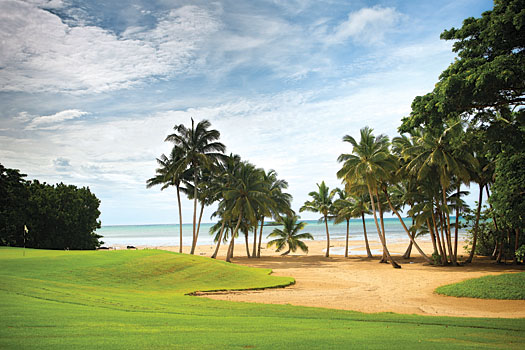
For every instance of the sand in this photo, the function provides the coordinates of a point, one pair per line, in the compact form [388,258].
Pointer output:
[361,284]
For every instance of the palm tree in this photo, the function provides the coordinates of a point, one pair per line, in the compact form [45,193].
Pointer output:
[344,210]
[201,150]
[281,200]
[225,177]
[361,208]
[243,194]
[439,153]
[289,235]
[369,162]
[321,203]
[170,173]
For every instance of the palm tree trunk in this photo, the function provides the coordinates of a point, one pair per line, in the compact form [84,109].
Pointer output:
[407,253]
[476,226]
[443,235]
[368,252]
[447,229]
[514,257]
[180,217]
[254,252]
[194,207]
[432,236]
[260,238]
[385,249]
[219,240]
[441,252]
[327,237]
[194,245]
[406,230]
[230,249]
[347,234]
[247,245]
[457,225]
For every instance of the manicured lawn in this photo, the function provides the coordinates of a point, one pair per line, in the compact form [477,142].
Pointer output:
[136,300]
[506,286]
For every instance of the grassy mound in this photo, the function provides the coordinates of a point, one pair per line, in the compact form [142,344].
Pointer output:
[510,286]
[137,300]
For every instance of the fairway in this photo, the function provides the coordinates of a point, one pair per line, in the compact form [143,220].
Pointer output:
[137,300]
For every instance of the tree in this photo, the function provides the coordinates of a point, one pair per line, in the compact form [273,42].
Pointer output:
[13,203]
[281,203]
[488,74]
[321,203]
[508,197]
[289,235]
[369,162]
[170,173]
[244,193]
[200,150]
[344,209]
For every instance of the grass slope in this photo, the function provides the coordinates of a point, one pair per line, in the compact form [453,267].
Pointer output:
[506,286]
[136,300]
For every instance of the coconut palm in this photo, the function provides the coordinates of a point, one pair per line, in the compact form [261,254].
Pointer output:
[200,150]
[170,173]
[442,155]
[244,193]
[369,163]
[321,203]
[281,203]
[289,235]
[344,210]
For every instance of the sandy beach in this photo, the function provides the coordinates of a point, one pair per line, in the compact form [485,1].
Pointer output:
[361,284]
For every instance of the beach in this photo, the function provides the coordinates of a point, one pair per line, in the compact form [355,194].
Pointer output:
[361,284]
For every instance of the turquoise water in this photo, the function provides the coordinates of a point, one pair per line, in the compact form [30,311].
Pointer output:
[168,235]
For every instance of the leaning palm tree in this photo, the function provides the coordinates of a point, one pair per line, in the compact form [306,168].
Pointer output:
[289,235]
[201,150]
[369,163]
[170,173]
[321,203]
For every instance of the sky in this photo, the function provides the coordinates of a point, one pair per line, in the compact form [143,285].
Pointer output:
[89,90]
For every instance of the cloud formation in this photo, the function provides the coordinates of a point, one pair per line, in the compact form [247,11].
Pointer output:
[58,117]
[42,53]
[368,25]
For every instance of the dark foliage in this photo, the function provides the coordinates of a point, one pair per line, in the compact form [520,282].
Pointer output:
[57,216]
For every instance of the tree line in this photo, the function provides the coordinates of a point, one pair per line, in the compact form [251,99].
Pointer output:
[39,215]
[245,194]
[470,130]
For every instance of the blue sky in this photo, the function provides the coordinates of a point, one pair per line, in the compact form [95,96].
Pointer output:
[90,89]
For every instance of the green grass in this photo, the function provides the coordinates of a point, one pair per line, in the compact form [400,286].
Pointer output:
[507,286]
[136,300]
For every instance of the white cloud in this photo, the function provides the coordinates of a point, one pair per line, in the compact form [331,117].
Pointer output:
[41,53]
[366,26]
[54,118]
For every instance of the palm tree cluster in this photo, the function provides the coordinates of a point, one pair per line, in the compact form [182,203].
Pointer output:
[424,172]
[245,195]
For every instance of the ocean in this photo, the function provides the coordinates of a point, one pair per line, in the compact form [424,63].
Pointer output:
[168,235]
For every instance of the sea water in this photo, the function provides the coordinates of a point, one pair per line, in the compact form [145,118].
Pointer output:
[168,235]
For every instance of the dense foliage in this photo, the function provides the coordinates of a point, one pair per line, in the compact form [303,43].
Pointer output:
[56,216]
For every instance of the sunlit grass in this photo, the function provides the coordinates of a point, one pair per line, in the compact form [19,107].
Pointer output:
[136,300]
[506,286]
